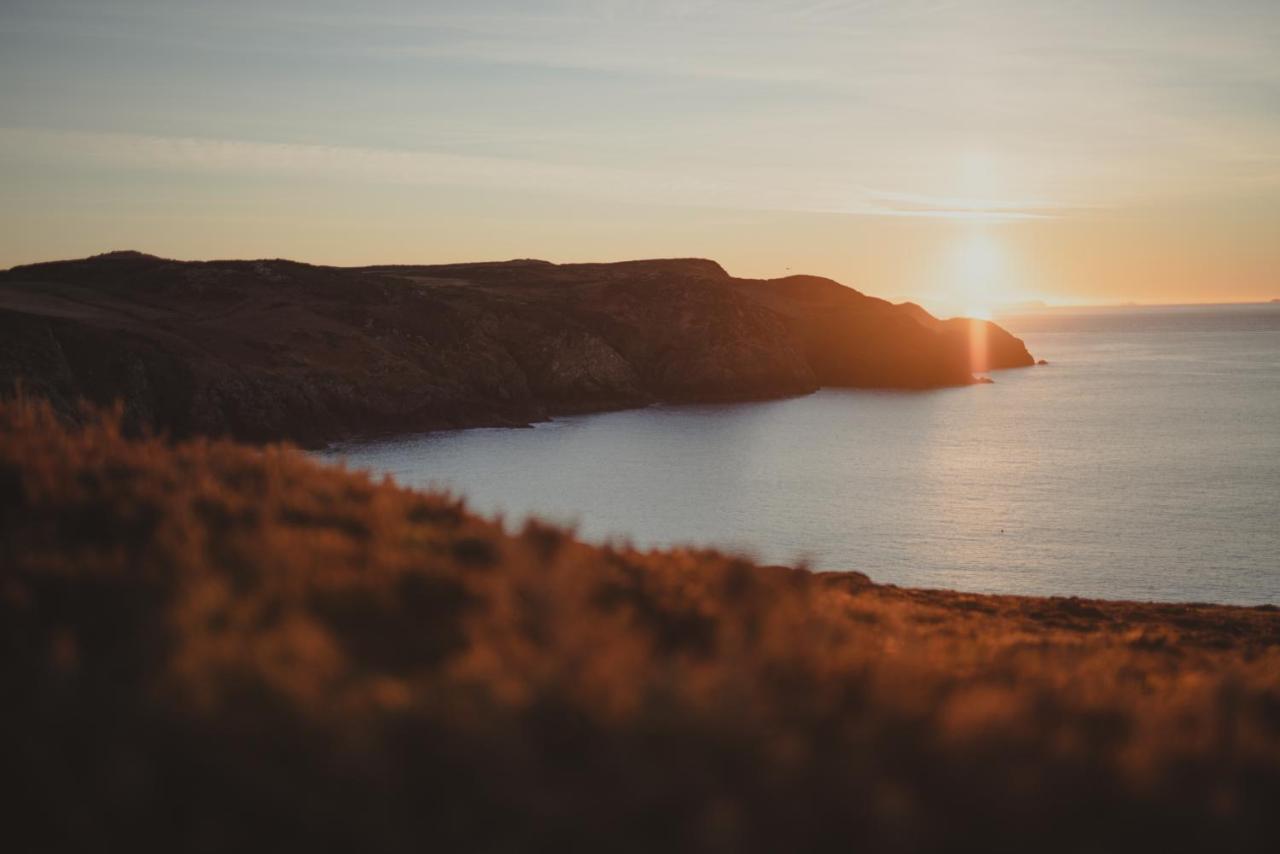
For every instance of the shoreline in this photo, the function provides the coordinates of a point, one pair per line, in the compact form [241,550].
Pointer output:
[296,653]
[275,350]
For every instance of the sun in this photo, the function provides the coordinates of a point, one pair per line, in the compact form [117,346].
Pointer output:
[978,274]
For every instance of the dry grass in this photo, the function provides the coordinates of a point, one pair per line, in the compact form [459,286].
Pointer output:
[208,647]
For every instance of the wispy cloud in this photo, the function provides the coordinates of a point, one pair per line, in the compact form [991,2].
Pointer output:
[725,188]
[956,207]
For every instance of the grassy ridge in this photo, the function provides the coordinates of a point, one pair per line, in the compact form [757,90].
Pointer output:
[211,647]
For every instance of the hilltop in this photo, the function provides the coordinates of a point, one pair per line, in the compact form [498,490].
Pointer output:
[274,349]
[210,647]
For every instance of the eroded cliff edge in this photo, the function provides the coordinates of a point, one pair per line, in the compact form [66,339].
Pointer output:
[264,350]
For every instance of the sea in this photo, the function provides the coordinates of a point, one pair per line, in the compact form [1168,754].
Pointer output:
[1141,463]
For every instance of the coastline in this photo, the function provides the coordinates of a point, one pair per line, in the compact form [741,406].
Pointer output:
[397,669]
[267,351]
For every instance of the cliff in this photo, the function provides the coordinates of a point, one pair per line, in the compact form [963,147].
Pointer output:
[207,647]
[264,350]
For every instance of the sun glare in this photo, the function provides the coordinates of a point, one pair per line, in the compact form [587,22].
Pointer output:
[978,275]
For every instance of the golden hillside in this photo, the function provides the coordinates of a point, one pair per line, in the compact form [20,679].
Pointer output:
[209,647]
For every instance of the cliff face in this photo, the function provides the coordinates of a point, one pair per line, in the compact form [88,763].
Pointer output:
[274,349]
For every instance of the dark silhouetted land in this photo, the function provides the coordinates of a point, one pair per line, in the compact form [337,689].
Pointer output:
[207,647]
[263,350]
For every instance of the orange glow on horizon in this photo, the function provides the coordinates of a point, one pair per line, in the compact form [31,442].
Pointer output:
[975,273]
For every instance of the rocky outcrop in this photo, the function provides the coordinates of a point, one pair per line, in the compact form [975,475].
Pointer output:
[267,350]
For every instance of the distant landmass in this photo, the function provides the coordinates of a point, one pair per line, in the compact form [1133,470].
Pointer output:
[266,350]
[1022,307]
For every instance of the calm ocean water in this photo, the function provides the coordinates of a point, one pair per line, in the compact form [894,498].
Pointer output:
[1142,463]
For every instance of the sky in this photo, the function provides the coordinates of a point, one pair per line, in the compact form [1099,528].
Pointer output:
[965,155]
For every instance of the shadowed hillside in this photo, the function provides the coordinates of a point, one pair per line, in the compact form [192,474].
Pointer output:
[274,349]
[206,647]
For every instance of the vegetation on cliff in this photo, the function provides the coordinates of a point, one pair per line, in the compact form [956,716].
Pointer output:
[210,647]
[263,350]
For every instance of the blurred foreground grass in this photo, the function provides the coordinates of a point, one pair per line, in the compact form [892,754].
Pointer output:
[209,647]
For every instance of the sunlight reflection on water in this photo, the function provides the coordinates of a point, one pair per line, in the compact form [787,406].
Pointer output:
[1143,462]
